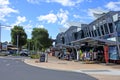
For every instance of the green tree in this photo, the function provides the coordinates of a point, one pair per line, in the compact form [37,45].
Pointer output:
[18,33]
[30,44]
[41,38]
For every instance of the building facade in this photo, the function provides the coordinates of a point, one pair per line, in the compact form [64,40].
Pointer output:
[105,30]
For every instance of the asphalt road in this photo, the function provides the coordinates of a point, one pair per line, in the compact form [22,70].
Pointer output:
[16,69]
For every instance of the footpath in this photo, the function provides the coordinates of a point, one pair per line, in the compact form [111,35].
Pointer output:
[99,71]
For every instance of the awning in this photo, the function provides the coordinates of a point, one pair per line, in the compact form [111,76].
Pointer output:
[64,45]
[94,41]
[12,48]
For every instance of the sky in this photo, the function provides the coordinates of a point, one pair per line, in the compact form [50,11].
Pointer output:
[52,15]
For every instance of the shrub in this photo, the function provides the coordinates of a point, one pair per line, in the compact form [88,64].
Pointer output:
[35,56]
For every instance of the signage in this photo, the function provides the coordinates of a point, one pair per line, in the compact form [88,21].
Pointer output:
[4,46]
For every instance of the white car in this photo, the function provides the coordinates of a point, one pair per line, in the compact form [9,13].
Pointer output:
[24,52]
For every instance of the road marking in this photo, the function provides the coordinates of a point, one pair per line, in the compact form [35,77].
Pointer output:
[93,71]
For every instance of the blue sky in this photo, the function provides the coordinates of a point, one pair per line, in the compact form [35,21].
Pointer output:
[49,14]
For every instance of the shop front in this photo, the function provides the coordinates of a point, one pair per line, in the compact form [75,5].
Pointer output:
[67,52]
[105,50]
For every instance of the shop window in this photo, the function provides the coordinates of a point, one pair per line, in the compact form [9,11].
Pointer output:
[106,28]
[111,27]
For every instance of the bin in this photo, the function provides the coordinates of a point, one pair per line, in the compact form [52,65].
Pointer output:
[42,57]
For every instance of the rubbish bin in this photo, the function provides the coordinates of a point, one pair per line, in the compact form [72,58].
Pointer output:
[42,57]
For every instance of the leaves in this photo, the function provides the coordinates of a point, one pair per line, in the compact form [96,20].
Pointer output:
[41,39]
[22,36]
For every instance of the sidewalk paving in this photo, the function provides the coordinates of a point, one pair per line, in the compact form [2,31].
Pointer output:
[100,71]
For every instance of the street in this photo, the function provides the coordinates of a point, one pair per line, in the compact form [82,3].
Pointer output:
[16,69]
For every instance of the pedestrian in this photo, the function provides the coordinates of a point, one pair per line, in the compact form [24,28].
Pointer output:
[81,54]
[46,57]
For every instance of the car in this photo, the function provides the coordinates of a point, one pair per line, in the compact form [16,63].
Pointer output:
[24,52]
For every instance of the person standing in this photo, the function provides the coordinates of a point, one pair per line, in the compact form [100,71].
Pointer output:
[80,54]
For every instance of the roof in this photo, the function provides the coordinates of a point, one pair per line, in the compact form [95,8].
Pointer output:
[66,46]
[94,41]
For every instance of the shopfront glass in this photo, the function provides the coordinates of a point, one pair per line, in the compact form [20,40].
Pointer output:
[118,29]
[113,53]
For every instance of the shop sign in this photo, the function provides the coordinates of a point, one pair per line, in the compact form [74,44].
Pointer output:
[4,46]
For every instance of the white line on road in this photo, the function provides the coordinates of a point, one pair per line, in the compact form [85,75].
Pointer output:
[106,72]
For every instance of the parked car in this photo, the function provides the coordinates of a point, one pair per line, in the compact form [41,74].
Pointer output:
[24,52]
[4,53]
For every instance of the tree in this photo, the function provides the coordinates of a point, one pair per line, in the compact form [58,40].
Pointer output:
[41,38]
[30,44]
[18,33]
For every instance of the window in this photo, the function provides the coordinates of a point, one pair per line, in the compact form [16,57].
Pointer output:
[102,30]
[76,35]
[119,39]
[111,27]
[106,28]
[82,34]
[63,40]
[95,31]
[98,30]
[94,28]
[89,34]
[118,26]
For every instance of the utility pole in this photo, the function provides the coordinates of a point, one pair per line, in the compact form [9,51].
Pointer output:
[0,38]
[0,34]
[17,43]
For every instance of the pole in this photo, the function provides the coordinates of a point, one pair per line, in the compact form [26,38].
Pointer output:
[0,38]
[17,43]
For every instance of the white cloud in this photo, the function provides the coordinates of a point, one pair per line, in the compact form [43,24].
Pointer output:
[66,2]
[39,26]
[76,16]
[92,12]
[34,1]
[28,27]
[20,20]
[5,10]
[62,16]
[62,2]
[50,18]
[113,6]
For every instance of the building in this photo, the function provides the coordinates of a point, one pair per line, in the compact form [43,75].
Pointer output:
[103,33]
